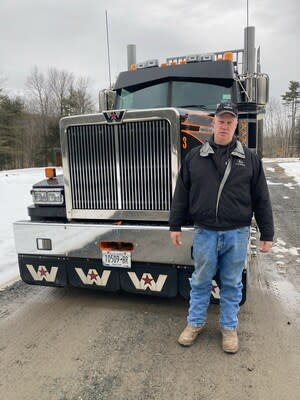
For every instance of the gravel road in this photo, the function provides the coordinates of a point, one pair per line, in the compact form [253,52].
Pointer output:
[72,344]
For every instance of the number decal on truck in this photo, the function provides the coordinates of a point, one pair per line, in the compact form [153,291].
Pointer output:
[184,142]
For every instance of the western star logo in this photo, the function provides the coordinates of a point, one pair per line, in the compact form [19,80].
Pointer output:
[92,277]
[42,273]
[147,281]
[114,116]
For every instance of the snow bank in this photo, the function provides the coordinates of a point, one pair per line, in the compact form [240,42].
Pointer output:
[14,200]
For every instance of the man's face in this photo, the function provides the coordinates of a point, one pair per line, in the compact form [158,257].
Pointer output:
[224,127]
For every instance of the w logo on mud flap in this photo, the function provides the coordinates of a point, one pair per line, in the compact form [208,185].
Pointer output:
[93,277]
[42,273]
[147,281]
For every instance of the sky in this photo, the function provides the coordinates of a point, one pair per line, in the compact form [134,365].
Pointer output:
[71,35]
[15,198]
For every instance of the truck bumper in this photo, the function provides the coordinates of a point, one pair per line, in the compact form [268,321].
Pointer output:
[72,256]
[151,243]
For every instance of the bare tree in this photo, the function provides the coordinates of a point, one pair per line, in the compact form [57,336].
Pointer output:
[59,84]
[79,100]
[51,96]
[39,102]
[277,130]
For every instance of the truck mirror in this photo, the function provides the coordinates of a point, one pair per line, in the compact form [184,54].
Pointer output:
[262,89]
[106,99]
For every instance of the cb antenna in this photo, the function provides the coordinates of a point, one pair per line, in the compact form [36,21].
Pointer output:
[247,13]
[108,54]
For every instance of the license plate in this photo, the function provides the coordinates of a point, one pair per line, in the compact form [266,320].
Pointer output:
[121,259]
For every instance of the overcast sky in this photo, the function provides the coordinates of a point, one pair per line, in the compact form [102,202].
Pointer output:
[71,35]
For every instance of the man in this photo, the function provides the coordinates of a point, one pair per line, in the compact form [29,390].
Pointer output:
[220,185]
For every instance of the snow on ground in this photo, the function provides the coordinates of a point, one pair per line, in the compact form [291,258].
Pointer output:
[280,247]
[290,165]
[15,198]
[292,169]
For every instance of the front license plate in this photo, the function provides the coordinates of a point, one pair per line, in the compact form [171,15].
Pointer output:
[121,259]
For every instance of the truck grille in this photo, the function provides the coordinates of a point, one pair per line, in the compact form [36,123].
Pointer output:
[120,167]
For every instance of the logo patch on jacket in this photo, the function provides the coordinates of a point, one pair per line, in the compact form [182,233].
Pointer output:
[240,162]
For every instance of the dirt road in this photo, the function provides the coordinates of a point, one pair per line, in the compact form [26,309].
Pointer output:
[71,344]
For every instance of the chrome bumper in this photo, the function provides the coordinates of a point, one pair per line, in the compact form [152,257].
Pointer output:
[151,243]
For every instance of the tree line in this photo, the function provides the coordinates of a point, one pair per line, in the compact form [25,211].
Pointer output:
[29,126]
[282,124]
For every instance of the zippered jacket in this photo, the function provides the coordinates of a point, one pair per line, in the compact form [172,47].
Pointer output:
[222,202]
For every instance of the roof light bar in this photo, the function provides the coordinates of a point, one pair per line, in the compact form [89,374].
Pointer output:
[191,58]
[147,64]
[207,57]
[200,57]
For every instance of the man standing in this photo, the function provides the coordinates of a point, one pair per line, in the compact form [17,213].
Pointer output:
[220,185]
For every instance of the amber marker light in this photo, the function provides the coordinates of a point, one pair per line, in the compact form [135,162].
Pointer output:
[132,67]
[228,56]
[50,172]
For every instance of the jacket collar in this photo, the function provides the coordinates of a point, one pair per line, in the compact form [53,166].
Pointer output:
[206,150]
[238,151]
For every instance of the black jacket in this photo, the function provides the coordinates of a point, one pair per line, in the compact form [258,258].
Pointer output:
[202,195]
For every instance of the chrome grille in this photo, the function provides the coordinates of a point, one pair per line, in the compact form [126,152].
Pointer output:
[120,167]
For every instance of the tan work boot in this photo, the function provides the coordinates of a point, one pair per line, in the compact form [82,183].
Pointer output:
[230,341]
[189,335]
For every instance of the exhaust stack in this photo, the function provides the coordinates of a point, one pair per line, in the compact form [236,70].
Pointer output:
[249,50]
[131,55]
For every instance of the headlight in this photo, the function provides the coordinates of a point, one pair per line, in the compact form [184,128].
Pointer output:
[47,196]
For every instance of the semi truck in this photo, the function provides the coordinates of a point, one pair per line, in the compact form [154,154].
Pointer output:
[103,223]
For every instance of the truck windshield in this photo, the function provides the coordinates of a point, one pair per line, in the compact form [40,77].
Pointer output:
[174,94]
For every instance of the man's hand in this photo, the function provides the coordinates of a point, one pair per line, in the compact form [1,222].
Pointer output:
[265,246]
[176,238]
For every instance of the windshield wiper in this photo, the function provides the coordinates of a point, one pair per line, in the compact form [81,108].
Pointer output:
[202,106]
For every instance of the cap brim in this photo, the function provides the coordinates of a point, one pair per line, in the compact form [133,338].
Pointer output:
[227,112]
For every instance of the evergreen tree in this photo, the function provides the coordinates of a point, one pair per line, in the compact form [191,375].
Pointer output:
[292,99]
[11,133]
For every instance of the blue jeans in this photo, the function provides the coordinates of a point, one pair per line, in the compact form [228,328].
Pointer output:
[226,251]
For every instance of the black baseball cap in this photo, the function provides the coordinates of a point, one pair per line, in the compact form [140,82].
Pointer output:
[227,108]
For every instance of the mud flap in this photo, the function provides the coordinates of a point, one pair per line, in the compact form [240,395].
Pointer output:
[92,274]
[148,279]
[184,276]
[37,270]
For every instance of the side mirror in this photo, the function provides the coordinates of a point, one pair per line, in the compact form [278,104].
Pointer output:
[106,99]
[262,89]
